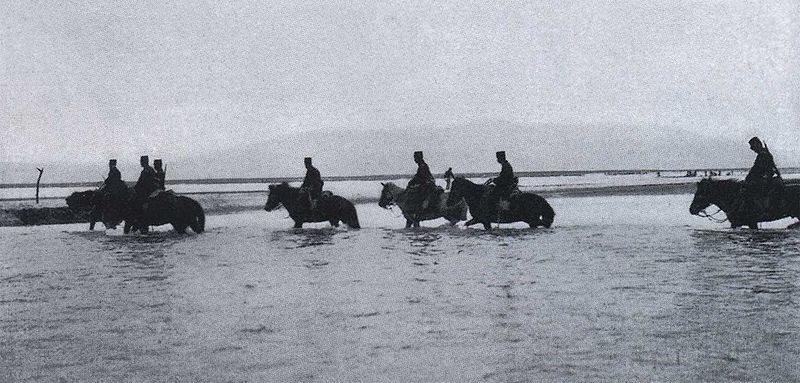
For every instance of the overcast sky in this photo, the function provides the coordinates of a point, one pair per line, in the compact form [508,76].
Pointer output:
[86,81]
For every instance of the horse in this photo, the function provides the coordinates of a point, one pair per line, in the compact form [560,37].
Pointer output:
[395,195]
[525,207]
[160,208]
[331,208]
[729,197]
[88,203]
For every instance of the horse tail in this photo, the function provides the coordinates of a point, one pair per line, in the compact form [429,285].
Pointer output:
[547,213]
[349,215]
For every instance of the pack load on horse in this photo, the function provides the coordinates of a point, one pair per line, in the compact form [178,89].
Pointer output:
[148,204]
[423,194]
[309,203]
[761,197]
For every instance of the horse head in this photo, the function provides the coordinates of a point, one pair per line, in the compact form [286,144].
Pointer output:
[277,193]
[84,200]
[704,196]
[457,190]
[387,195]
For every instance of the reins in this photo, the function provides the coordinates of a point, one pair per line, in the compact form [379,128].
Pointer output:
[712,217]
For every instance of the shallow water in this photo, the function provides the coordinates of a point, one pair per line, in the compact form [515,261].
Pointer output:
[616,291]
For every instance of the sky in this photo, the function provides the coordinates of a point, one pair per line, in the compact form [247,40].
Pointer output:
[87,81]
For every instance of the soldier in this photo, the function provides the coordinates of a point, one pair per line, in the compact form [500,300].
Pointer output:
[420,185]
[147,182]
[312,183]
[114,175]
[161,174]
[448,177]
[504,183]
[759,185]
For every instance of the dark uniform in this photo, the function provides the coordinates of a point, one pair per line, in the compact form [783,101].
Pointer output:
[421,185]
[161,175]
[504,183]
[114,176]
[312,183]
[763,183]
[147,182]
[448,176]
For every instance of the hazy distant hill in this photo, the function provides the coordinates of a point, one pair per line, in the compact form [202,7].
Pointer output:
[467,148]
[472,147]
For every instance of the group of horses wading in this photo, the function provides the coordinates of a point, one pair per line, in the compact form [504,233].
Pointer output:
[166,207]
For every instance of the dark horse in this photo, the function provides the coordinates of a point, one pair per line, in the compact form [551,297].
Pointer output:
[87,203]
[159,209]
[525,207]
[395,195]
[329,208]
[729,196]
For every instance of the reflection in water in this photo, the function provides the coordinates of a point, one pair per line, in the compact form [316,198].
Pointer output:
[300,238]
[581,303]
[741,303]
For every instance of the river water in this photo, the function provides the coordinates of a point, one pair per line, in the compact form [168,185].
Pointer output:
[620,289]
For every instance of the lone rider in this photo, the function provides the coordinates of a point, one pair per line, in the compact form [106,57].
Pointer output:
[312,183]
[448,177]
[161,175]
[420,185]
[504,183]
[759,183]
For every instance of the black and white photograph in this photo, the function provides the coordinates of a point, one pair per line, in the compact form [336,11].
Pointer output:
[399,191]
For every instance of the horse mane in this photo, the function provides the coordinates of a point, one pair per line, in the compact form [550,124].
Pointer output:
[726,183]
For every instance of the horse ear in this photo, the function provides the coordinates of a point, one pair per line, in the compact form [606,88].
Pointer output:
[271,187]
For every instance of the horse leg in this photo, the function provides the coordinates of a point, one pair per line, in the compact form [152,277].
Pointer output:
[471,222]
[180,227]
[409,223]
[794,225]
[487,225]
[298,224]
[91,225]
[334,222]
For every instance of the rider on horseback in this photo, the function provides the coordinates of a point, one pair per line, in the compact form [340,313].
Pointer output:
[312,184]
[420,186]
[161,174]
[147,182]
[113,182]
[504,183]
[763,184]
[448,177]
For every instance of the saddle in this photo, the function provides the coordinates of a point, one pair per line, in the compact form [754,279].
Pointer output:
[762,200]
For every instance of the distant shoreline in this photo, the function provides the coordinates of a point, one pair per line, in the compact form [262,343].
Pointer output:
[385,177]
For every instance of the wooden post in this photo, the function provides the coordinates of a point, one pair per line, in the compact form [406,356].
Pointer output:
[41,170]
